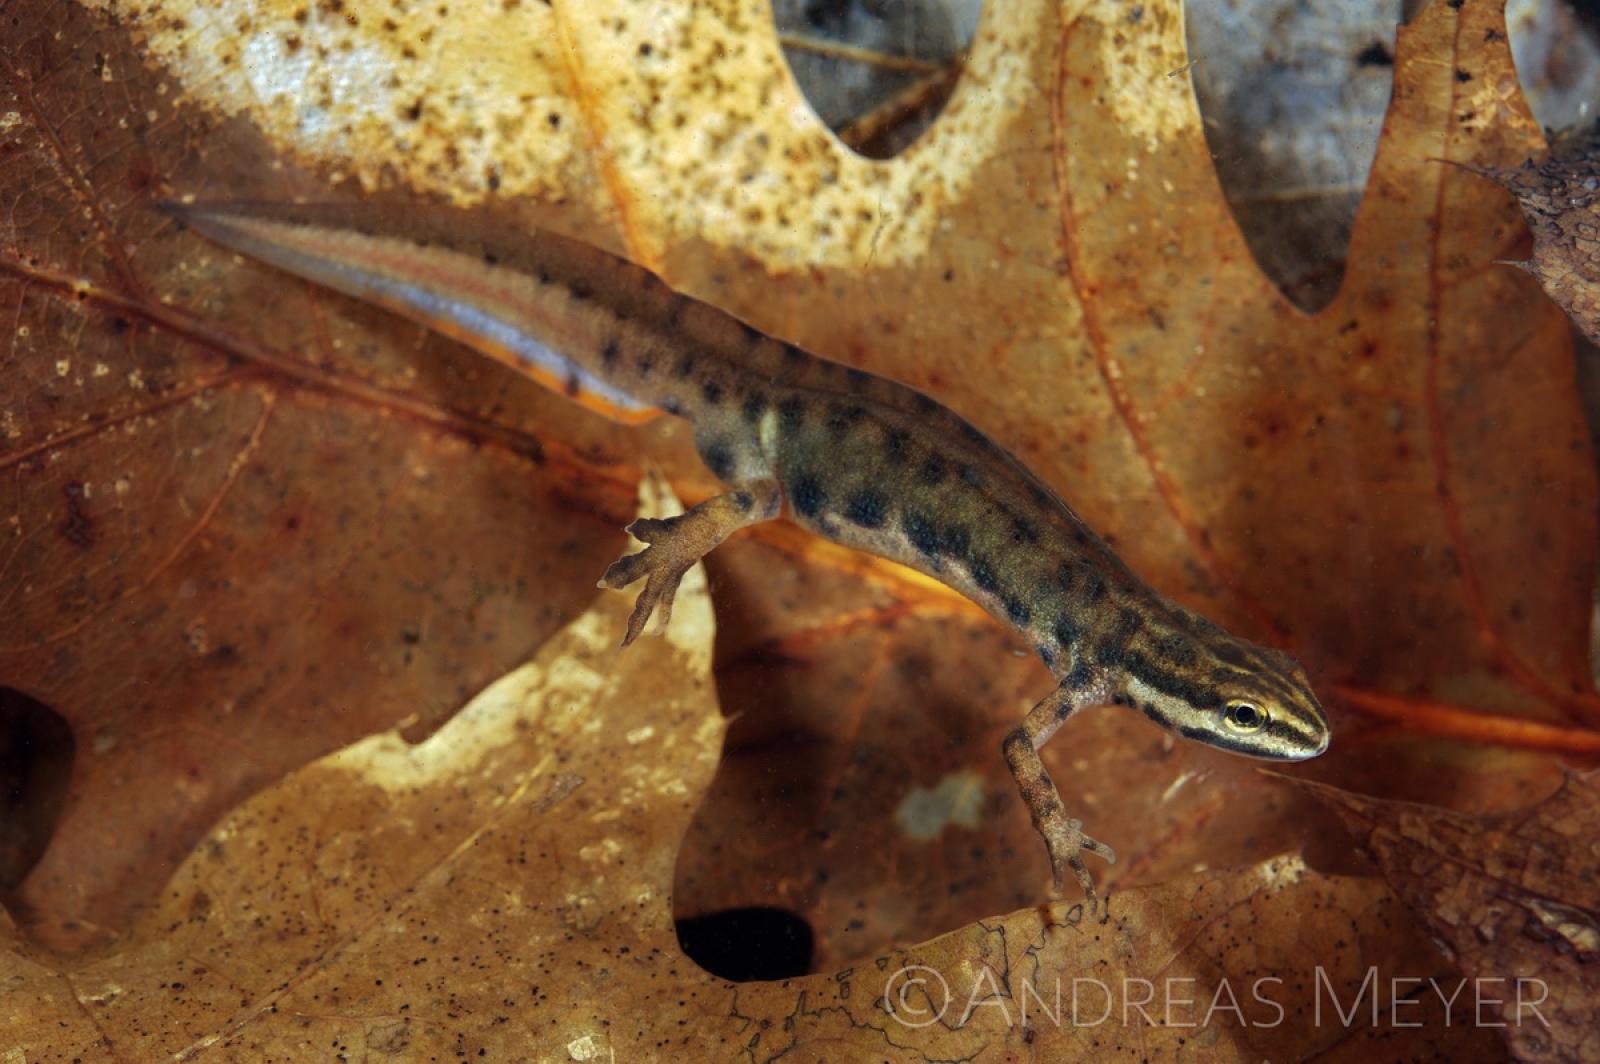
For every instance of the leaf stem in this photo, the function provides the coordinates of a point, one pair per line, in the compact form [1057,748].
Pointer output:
[1426,717]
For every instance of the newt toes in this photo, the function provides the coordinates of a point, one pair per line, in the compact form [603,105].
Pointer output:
[676,543]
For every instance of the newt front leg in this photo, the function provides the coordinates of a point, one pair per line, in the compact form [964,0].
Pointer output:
[1063,835]
[676,543]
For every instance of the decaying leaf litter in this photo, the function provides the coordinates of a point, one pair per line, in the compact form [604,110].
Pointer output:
[1183,481]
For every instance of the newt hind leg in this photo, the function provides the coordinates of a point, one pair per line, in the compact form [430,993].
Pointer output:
[676,543]
[1063,835]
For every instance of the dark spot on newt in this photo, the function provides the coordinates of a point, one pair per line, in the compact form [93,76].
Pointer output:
[580,292]
[647,363]
[840,418]
[1177,650]
[1018,611]
[807,495]
[933,470]
[610,353]
[857,377]
[1128,622]
[970,477]
[743,500]
[754,407]
[1094,587]
[895,442]
[793,354]
[1067,634]
[921,533]
[923,403]
[1229,654]
[983,574]
[752,335]
[1108,654]
[712,391]
[1079,677]
[1024,531]
[956,541]
[1046,655]
[791,412]
[718,458]
[685,365]
[1066,575]
[868,508]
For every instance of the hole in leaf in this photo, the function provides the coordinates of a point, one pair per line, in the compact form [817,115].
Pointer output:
[750,944]
[36,752]
[1557,51]
[1293,97]
[877,72]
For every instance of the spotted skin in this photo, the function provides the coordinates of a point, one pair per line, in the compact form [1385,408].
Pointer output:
[852,456]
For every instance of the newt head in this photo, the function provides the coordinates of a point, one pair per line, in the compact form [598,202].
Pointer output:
[1227,693]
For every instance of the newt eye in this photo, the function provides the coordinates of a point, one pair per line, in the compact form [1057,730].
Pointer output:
[1244,716]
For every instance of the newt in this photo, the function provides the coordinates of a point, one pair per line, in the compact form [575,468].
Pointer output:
[860,459]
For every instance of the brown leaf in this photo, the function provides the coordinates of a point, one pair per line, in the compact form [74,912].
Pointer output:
[230,548]
[1053,259]
[1515,898]
[1361,484]
[1559,198]
[1324,478]
[502,890]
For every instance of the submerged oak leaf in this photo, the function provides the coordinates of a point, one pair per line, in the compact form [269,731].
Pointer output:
[1559,193]
[329,521]
[372,899]
[1361,484]
[503,889]
[234,534]
[1515,899]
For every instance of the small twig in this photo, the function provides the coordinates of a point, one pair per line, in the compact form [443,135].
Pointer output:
[1456,722]
[851,53]
[919,96]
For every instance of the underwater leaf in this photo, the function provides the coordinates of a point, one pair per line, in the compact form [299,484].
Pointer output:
[228,546]
[1363,485]
[331,522]
[502,890]
[1558,195]
[1515,897]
